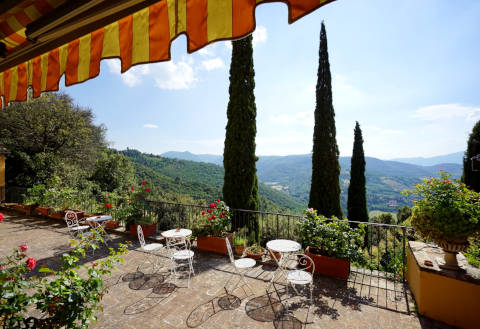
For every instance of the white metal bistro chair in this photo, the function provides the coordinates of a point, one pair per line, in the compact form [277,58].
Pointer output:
[241,266]
[73,227]
[180,257]
[149,249]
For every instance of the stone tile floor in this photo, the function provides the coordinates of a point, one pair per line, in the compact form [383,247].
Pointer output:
[137,298]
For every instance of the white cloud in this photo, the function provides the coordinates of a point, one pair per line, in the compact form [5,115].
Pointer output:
[150,126]
[212,64]
[259,36]
[444,112]
[382,131]
[228,45]
[304,118]
[167,75]
[204,52]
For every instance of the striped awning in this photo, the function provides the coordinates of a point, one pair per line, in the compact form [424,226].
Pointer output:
[142,37]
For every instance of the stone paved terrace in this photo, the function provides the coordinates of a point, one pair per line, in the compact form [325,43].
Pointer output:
[138,299]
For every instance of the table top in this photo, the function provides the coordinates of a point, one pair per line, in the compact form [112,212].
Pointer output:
[182,233]
[284,245]
[98,218]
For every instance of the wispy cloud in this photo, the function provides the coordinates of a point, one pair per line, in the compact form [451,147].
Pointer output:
[382,131]
[167,75]
[305,118]
[259,36]
[445,112]
[150,126]
[212,64]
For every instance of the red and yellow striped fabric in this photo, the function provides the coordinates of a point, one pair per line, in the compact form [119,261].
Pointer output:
[143,37]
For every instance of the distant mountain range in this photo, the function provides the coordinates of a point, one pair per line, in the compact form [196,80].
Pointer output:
[385,179]
[456,157]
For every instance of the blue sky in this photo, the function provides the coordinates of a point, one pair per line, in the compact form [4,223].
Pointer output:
[407,70]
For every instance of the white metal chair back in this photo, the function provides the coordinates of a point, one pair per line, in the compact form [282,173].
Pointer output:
[141,237]
[71,219]
[230,252]
[306,263]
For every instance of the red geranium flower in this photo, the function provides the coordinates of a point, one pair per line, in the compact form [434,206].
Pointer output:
[147,190]
[218,200]
[132,188]
[209,211]
[213,205]
[138,198]
[144,182]
[108,205]
[31,262]
[24,247]
[1,217]
[213,217]
[203,212]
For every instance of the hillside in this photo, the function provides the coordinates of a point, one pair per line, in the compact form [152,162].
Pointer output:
[456,157]
[385,179]
[201,181]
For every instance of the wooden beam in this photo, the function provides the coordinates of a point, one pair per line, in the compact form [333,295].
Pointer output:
[32,50]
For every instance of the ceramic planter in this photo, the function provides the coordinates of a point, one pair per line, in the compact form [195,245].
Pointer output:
[213,243]
[148,229]
[57,214]
[451,249]
[329,266]
[239,250]
[255,256]
[26,209]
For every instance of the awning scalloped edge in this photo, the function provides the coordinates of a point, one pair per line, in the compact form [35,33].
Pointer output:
[143,37]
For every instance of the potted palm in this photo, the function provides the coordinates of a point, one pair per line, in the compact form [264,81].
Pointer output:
[331,243]
[447,213]
[213,229]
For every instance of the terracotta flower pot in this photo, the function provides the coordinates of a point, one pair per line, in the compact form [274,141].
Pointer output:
[57,214]
[148,229]
[213,243]
[239,250]
[329,266]
[273,254]
[255,256]
[42,211]
[112,224]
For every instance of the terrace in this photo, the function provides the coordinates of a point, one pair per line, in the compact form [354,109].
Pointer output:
[368,299]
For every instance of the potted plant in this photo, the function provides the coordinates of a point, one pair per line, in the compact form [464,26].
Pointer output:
[255,251]
[213,228]
[331,243]
[39,196]
[138,210]
[239,243]
[447,213]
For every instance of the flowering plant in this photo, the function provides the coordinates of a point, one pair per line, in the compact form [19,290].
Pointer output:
[446,211]
[69,300]
[138,209]
[215,220]
[332,237]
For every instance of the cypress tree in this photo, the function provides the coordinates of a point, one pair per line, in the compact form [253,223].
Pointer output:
[472,178]
[325,188]
[357,198]
[240,186]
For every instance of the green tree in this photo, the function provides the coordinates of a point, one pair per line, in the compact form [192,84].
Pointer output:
[240,186]
[325,187]
[357,191]
[403,213]
[46,134]
[472,178]
[113,171]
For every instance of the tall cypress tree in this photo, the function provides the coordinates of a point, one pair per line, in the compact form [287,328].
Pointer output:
[240,186]
[325,188]
[357,198]
[472,178]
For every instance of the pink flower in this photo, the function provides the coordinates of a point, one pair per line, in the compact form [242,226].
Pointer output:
[1,217]
[147,190]
[143,182]
[31,262]
[24,247]
[213,205]
[2,267]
